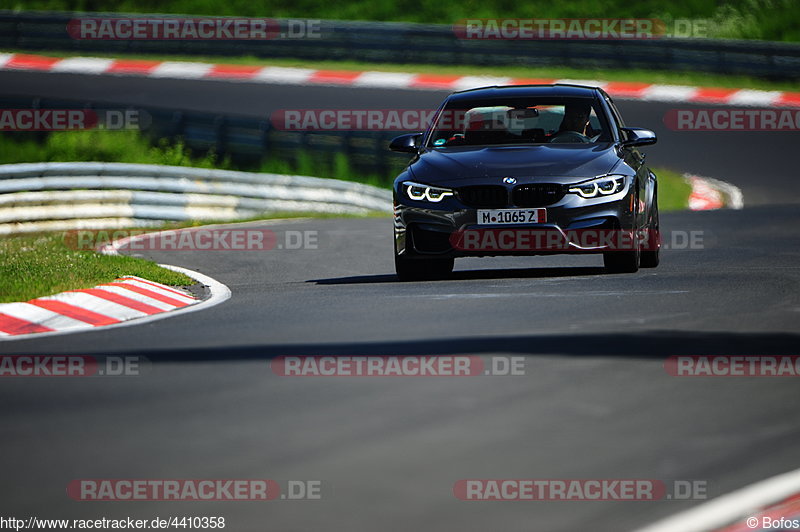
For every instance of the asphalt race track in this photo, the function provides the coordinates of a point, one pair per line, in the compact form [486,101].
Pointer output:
[595,401]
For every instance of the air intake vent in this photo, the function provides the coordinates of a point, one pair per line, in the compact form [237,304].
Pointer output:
[537,194]
[484,196]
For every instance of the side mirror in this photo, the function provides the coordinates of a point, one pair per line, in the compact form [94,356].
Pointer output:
[638,136]
[406,143]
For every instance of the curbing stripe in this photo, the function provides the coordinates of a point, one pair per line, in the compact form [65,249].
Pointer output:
[155,288]
[377,79]
[10,325]
[75,312]
[729,508]
[181,70]
[121,300]
[106,305]
[83,65]
[150,294]
[133,300]
[711,194]
[41,316]
[98,304]
[219,293]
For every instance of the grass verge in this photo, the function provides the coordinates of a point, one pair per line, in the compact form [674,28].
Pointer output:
[39,265]
[673,190]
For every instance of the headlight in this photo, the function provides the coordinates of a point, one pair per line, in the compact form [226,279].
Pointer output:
[599,186]
[419,192]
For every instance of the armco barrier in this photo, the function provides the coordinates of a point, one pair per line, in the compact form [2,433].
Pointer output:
[428,43]
[248,140]
[63,196]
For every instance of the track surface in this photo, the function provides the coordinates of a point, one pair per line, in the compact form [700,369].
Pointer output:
[595,401]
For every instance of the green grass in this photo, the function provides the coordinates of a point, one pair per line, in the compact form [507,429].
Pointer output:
[39,265]
[132,147]
[673,190]
[749,19]
[636,75]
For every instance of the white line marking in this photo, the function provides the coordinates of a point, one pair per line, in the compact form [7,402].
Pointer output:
[729,508]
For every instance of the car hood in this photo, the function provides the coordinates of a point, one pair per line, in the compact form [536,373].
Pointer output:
[463,166]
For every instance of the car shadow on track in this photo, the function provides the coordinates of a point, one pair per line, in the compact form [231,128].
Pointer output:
[468,275]
[654,344]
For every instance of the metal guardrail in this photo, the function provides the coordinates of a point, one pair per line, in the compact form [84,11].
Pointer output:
[248,141]
[430,43]
[64,196]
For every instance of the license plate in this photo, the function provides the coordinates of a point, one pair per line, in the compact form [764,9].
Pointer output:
[511,216]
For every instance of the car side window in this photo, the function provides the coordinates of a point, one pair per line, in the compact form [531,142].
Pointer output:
[617,118]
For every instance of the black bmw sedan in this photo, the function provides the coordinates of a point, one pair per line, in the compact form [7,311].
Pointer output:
[525,170]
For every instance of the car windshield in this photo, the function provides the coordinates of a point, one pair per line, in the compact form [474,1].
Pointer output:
[519,121]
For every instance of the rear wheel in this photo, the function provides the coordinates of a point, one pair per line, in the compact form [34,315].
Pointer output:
[422,269]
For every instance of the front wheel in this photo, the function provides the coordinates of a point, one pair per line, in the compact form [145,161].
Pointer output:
[651,255]
[622,261]
[422,269]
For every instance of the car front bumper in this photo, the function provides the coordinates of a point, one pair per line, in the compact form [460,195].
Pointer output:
[450,229]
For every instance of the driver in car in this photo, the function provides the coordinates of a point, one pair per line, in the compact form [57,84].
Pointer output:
[575,124]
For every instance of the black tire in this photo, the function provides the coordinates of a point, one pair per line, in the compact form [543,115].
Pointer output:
[422,269]
[619,261]
[651,257]
[622,261]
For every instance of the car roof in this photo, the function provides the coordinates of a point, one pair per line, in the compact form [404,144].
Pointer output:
[523,91]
